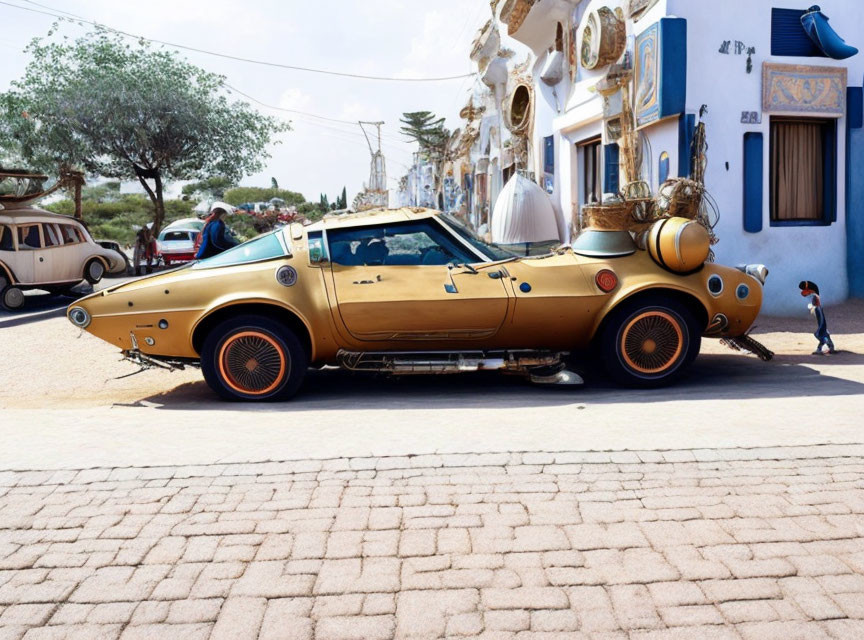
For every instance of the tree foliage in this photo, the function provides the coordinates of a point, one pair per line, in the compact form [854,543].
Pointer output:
[241,195]
[213,187]
[130,112]
[426,129]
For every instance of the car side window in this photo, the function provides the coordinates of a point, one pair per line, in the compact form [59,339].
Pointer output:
[69,234]
[414,243]
[28,237]
[49,232]
[6,238]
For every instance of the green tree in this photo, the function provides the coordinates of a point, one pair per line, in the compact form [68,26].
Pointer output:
[240,195]
[130,112]
[424,128]
[273,183]
[434,140]
[213,187]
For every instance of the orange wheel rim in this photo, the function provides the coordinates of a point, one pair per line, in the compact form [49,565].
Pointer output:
[652,342]
[252,363]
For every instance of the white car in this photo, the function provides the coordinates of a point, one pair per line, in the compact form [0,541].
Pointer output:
[177,240]
[42,250]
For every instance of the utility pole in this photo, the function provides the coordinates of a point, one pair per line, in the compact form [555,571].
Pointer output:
[376,190]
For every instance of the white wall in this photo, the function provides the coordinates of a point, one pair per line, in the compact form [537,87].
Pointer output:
[720,81]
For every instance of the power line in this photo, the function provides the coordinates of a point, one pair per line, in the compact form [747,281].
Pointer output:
[297,112]
[74,18]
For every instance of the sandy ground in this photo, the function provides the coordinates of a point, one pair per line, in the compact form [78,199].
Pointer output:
[68,399]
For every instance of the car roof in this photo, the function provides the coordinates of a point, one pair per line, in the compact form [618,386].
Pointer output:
[28,215]
[186,224]
[371,217]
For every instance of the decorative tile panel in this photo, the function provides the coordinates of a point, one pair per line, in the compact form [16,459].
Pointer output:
[802,89]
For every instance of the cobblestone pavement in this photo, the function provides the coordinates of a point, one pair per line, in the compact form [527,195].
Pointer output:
[753,544]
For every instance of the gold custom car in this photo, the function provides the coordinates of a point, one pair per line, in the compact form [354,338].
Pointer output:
[414,291]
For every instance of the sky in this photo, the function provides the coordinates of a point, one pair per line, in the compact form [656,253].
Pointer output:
[392,38]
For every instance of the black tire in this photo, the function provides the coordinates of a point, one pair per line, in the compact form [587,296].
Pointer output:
[649,342]
[94,271]
[11,298]
[254,359]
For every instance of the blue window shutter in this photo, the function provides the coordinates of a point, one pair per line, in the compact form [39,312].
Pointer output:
[788,37]
[752,181]
[686,127]
[549,154]
[610,178]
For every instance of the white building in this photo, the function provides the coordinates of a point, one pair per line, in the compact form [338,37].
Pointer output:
[783,121]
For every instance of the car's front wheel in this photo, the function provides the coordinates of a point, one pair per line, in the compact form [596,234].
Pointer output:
[93,271]
[253,358]
[11,298]
[649,342]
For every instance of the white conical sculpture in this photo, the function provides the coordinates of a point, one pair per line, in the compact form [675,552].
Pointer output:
[523,213]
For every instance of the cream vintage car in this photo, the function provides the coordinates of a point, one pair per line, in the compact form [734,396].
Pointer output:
[410,291]
[42,250]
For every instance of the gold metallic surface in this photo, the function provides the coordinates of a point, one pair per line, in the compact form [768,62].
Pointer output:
[408,308]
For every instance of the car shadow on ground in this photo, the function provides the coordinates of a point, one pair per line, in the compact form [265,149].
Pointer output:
[711,377]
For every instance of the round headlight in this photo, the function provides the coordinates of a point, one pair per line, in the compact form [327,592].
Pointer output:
[742,292]
[715,285]
[79,317]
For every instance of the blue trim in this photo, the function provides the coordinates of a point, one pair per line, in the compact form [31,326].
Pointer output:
[753,171]
[800,223]
[686,127]
[549,154]
[663,168]
[854,194]
[610,174]
[854,107]
[829,171]
[673,66]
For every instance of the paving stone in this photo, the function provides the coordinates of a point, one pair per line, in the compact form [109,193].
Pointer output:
[239,618]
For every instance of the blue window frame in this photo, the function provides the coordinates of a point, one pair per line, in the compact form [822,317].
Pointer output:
[549,155]
[803,171]
[611,165]
[788,37]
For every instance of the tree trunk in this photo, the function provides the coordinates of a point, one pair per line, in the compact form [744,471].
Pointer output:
[156,197]
[77,197]
[159,218]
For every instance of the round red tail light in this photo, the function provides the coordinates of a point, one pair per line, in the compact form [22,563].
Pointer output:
[606,280]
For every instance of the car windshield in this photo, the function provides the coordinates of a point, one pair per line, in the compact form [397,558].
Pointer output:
[493,251]
[264,247]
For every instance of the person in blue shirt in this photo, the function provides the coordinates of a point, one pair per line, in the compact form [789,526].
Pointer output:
[812,289]
[214,237]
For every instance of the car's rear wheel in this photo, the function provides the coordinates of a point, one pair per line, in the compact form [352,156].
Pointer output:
[649,342]
[253,358]
[94,271]
[12,298]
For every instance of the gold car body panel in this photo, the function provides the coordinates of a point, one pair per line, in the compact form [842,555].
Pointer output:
[550,302]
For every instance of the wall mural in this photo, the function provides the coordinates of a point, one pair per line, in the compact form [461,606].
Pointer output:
[661,80]
[647,105]
[793,89]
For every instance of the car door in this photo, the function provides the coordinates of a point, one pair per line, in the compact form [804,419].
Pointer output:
[54,262]
[29,247]
[412,281]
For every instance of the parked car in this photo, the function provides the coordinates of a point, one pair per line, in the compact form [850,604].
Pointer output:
[411,291]
[42,250]
[177,240]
